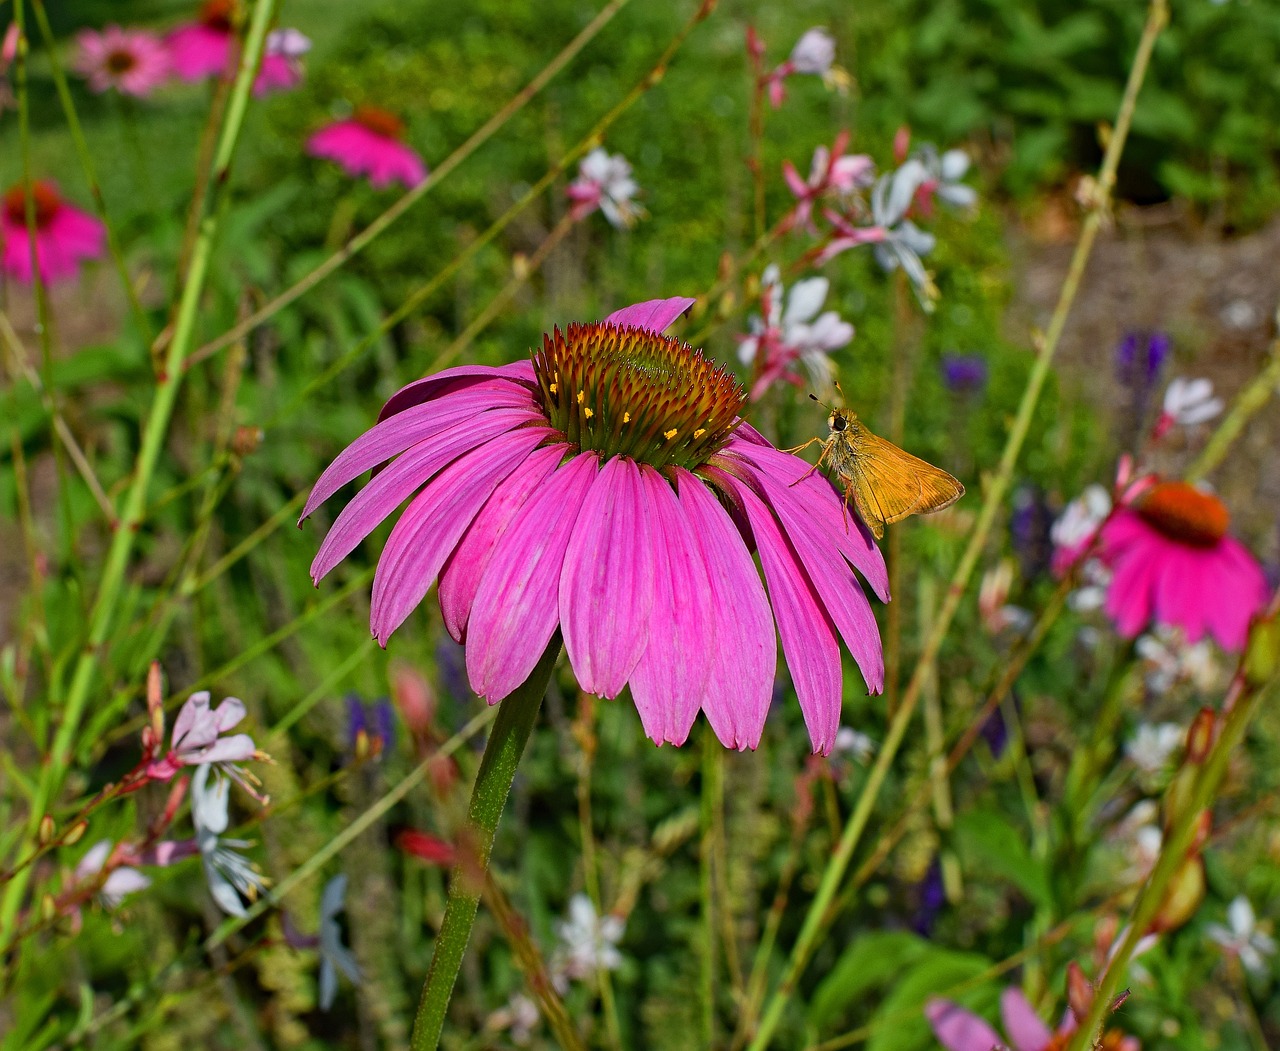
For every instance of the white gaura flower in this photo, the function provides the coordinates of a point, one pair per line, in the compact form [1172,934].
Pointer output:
[1078,525]
[1153,745]
[1187,403]
[122,881]
[781,339]
[604,181]
[588,943]
[229,874]
[334,956]
[942,175]
[814,53]
[857,746]
[1169,661]
[1242,939]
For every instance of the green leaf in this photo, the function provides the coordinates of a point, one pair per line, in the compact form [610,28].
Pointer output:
[900,1024]
[988,841]
[870,960]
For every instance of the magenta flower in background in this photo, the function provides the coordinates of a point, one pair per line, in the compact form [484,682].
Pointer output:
[65,236]
[604,181]
[132,61]
[1173,564]
[961,1030]
[783,341]
[831,172]
[609,489]
[206,48]
[369,143]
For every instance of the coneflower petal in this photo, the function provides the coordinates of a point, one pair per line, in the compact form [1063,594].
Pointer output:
[409,473]
[431,525]
[808,636]
[461,575]
[517,607]
[833,580]
[606,589]
[392,437]
[457,378]
[1129,594]
[823,504]
[670,678]
[745,656]
[653,315]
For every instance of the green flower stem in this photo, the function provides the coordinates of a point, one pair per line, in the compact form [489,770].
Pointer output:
[516,716]
[111,586]
[412,197]
[1249,402]
[816,918]
[1243,700]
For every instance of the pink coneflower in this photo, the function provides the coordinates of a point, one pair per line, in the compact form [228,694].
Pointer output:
[64,235]
[132,61]
[609,489]
[205,48]
[369,143]
[1173,564]
[961,1030]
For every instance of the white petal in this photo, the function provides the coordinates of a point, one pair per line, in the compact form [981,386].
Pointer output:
[953,165]
[805,300]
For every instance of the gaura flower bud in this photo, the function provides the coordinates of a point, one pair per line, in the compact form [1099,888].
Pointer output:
[1262,651]
[74,833]
[1200,736]
[1186,892]
[45,833]
[1079,991]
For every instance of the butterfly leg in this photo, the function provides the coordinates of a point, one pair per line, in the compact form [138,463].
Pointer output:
[821,456]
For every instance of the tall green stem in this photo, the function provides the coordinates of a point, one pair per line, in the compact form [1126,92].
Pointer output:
[516,716]
[833,875]
[111,585]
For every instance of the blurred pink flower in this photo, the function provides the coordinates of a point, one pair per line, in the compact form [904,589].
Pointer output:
[1077,526]
[961,1030]
[814,53]
[206,48]
[9,46]
[609,489]
[132,61]
[197,738]
[369,143]
[830,172]
[1174,564]
[604,181]
[798,337]
[1187,403]
[64,235]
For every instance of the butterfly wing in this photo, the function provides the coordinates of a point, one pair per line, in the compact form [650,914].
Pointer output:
[889,484]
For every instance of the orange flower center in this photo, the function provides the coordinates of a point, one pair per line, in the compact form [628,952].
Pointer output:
[379,120]
[46,199]
[218,14]
[121,61]
[1182,512]
[631,392]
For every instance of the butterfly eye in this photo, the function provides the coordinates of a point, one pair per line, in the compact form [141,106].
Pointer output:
[838,423]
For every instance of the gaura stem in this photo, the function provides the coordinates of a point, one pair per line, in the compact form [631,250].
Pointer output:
[833,875]
[516,716]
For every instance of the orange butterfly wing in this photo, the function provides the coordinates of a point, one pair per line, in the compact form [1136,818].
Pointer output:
[889,484]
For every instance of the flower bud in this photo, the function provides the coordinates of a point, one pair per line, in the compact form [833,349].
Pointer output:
[1186,891]
[73,835]
[415,697]
[48,907]
[1262,652]
[429,848]
[1200,736]
[46,830]
[1079,991]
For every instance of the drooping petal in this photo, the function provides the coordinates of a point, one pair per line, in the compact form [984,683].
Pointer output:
[233,749]
[393,436]
[432,524]
[228,713]
[440,383]
[960,1030]
[821,501]
[406,475]
[1026,1031]
[517,605]
[460,578]
[606,589]
[670,678]
[832,578]
[808,636]
[654,315]
[745,655]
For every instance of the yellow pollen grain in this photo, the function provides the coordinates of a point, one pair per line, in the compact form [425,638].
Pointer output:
[699,433]
[670,434]
[587,412]
[582,396]
[626,417]
[554,388]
